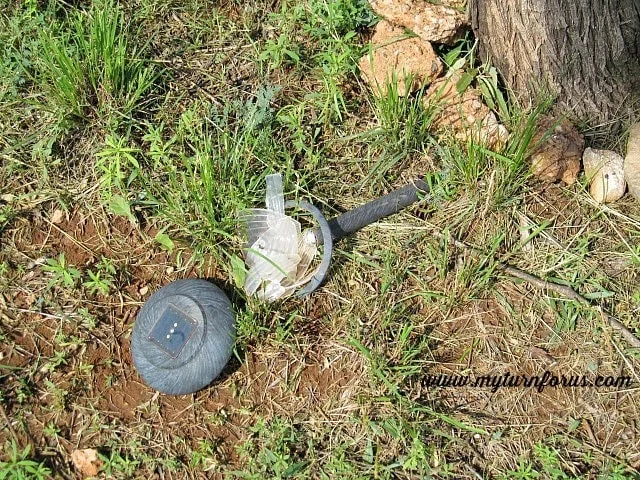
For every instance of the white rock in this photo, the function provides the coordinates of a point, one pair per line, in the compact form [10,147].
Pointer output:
[604,169]
[57,216]
[632,161]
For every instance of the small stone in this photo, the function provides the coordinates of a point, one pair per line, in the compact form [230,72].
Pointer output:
[632,161]
[605,171]
[143,291]
[492,133]
[434,23]
[394,55]
[86,461]
[558,152]
[57,216]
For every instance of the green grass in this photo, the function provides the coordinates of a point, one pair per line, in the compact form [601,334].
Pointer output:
[238,144]
[402,134]
[547,462]
[21,467]
[91,67]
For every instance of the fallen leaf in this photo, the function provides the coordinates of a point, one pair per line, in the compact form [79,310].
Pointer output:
[86,461]
[164,240]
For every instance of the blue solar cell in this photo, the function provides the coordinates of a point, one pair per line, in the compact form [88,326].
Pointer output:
[172,330]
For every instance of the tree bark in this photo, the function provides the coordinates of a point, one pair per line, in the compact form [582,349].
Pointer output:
[587,52]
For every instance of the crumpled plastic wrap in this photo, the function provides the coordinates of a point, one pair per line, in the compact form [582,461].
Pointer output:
[278,254]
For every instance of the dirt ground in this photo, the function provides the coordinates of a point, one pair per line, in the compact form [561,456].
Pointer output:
[97,387]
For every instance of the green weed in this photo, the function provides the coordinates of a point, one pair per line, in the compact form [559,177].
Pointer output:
[51,431]
[280,52]
[547,462]
[117,164]
[324,19]
[237,145]
[301,138]
[20,466]
[204,456]
[16,51]
[101,279]
[114,463]
[63,274]
[6,215]
[329,49]
[273,452]
[403,131]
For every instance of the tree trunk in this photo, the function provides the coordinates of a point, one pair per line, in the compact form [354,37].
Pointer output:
[587,52]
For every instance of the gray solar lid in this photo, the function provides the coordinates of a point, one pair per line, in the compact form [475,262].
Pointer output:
[183,336]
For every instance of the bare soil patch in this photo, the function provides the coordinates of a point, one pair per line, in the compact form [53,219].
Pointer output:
[97,383]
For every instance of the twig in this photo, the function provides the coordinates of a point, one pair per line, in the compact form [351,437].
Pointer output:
[9,426]
[570,293]
[563,290]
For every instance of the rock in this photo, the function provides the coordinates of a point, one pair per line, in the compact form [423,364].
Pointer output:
[386,33]
[457,4]
[57,216]
[86,461]
[632,161]
[604,169]
[455,109]
[492,133]
[395,55]
[558,151]
[464,113]
[434,23]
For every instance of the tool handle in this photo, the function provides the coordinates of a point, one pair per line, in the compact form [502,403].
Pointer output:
[353,220]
